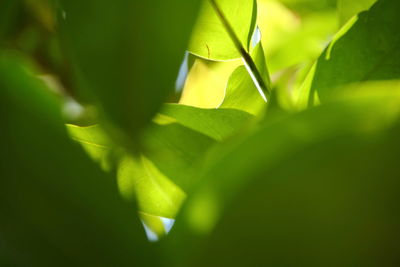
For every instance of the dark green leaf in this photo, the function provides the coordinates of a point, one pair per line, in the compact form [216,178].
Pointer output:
[127,53]
[288,194]
[348,9]
[57,207]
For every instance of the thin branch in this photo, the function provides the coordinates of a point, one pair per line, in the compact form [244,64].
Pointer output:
[245,55]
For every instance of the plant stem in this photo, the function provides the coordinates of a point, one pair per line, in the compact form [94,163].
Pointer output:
[245,55]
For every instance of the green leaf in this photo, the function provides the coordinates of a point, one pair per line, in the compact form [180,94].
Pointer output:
[9,10]
[172,149]
[139,178]
[206,83]
[341,210]
[242,92]
[210,38]
[126,55]
[302,190]
[57,207]
[180,141]
[96,143]
[348,9]
[310,6]
[365,49]
[219,124]
[176,151]
[290,39]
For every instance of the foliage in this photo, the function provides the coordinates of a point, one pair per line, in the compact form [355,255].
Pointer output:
[277,145]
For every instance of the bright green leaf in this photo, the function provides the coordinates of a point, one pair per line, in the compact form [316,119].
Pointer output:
[155,193]
[206,83]
[95,142]
[210,39]
[365,49]
[176,151]
[218,124]
[242,92]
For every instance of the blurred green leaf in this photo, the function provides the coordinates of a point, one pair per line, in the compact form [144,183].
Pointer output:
[172,149]
[249,186]
[127,55]
[210,39]
[155,224]
[9,11]
[310,6]
[348,9]
[96,143]
[57,207]
[156,194]
[365,49]
[289,38]
[314,188]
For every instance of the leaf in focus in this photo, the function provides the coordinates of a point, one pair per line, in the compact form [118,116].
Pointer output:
[127,55]
[242,92]
[365,49]
[57,207]
[210,39]
[218,124]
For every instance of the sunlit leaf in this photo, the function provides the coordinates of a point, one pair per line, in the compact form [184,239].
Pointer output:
[217,124]
[173,147]
[310,6]
[365,49]
[156,194]
[210,39]
[206,83]
[303,42]
[242,91]
[95,142]
[176,151]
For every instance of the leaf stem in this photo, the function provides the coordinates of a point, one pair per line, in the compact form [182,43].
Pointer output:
[245,55]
